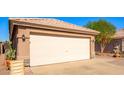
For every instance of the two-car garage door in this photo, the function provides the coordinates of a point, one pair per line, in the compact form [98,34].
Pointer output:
[52,49]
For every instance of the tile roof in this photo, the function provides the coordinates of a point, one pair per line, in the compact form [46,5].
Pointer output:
[53,22]
[119,34]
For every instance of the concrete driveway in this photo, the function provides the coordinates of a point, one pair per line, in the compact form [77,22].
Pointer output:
[97,66]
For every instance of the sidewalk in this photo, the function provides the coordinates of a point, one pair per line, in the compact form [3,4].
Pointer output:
[3,69]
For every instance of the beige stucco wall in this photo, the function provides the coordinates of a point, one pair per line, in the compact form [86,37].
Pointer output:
[92,46]
[23,48]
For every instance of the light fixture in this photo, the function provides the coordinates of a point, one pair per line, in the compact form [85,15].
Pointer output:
[92,41]
[23,38]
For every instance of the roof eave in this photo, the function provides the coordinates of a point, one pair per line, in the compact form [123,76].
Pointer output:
[121,37]
[13,23]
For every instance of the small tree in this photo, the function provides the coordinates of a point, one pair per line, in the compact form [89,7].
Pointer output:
[106,29]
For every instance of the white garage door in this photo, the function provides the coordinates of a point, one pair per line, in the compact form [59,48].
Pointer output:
[49,49]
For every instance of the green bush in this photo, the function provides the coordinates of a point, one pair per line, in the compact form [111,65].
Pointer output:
[10,52]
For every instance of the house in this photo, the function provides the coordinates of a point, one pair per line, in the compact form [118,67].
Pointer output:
[2,49]
[42,41]
[118,40]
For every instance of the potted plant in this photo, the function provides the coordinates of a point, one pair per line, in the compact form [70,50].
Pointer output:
[10,54]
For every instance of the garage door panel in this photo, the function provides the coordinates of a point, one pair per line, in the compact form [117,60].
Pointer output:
[49,49]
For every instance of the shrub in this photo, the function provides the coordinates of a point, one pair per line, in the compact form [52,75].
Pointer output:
[10,52]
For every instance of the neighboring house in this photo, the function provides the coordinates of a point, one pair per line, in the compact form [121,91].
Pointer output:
[41,41]
[2,49]
[118,40]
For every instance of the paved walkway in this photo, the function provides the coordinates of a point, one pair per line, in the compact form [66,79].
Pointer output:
[3,69]
[28,71]
[97,66]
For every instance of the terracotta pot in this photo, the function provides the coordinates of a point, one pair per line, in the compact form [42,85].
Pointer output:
[8,64]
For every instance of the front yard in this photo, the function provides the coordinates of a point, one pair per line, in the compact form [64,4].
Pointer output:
[101,65]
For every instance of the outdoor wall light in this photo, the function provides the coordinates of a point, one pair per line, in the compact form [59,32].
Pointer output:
[23,37]
[92,41]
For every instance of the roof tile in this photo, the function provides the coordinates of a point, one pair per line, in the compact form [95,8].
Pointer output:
[119,34]
[53,22]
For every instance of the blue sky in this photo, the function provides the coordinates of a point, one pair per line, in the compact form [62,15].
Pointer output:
[3,28]
[81,21]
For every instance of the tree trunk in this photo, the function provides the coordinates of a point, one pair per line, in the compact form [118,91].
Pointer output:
[102,50]
[102,46]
